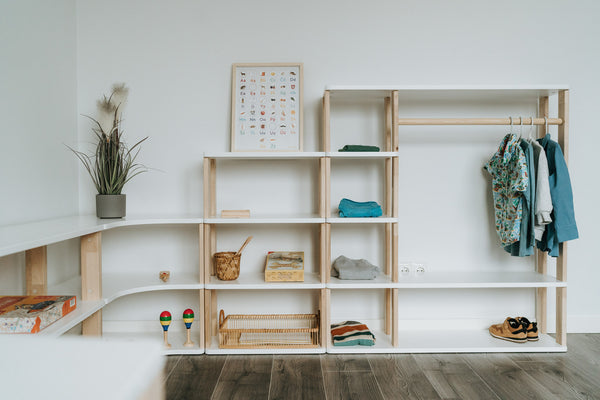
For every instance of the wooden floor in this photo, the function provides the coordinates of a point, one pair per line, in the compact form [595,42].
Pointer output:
[571,375]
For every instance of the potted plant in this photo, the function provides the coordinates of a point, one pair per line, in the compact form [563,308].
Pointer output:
[112,164]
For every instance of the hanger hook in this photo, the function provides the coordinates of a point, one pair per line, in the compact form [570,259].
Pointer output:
[511,124]
[521,127]
[546,125]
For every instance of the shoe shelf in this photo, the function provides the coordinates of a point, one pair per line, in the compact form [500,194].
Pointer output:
[469,341]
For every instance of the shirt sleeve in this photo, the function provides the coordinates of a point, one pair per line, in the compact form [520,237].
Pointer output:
[562,196]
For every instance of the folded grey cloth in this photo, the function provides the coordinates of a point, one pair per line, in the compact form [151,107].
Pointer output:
[347,268]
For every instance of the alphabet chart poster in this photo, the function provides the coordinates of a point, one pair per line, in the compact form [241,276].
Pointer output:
[266,107]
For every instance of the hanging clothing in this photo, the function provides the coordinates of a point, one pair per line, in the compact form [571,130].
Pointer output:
[510,179]
[543,199]
[525,245]
[563,226]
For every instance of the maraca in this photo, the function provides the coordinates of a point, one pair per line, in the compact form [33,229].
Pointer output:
[165,321]
[188,318]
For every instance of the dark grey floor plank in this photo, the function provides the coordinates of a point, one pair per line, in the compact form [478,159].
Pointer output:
[399,377]
[452,377]
[194,377]
[245,377]
[506,378]
[356,385]
[172,362]
[297,377]
[345,362]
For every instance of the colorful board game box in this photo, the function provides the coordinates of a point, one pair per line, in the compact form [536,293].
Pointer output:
[31,314]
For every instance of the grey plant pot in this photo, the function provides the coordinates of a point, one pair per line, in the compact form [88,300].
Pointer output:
[110,205]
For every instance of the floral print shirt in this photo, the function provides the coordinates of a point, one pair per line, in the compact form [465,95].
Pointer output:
[509,180]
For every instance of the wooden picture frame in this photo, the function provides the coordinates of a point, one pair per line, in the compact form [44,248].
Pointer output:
[266,107]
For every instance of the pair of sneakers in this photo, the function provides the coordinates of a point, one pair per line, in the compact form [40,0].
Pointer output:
[518,330]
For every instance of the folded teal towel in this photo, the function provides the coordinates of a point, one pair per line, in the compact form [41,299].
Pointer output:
[353,209]
[359,147]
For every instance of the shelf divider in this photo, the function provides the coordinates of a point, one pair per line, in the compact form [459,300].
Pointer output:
[91,280]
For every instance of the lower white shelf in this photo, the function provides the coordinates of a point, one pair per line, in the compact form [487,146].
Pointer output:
[214,349]
[83,311]
[176,340]
[452,341]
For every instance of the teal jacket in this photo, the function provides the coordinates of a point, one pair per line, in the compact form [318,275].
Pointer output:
[563,226]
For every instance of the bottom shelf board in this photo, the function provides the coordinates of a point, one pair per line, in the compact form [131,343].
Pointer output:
[176,340]
[452,341]
[214,349]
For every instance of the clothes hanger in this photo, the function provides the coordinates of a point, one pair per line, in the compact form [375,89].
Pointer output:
[546,126]
[530,136]
[511,125]
[521,128]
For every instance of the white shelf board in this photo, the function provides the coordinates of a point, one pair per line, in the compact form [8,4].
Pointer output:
[269,219]
[383,344]
[84,310]
[21,237]
[448,92]
[381,281]
[214,349]
[175,338]
[257,281]
[362,154]
[384,219]
[469,341]
[115,285]
[477,279]
[283,155]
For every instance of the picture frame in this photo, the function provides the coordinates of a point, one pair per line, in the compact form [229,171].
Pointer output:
[266,107]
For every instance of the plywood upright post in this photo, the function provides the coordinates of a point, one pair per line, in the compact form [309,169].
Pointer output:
[91,280]
[541,294]
[202,281]
[36,270]
[326,129]
[324,308]
[561,262]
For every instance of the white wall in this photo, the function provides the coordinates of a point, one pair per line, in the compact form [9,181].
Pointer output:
[38,110]
[176,57]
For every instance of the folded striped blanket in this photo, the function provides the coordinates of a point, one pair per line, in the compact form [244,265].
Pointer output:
[351,333]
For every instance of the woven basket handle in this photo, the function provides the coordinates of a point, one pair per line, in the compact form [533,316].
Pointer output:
[221,318]
[244,245]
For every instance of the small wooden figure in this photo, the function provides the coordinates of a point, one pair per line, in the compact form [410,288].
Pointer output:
[164,275]
[188,318]
[165,321]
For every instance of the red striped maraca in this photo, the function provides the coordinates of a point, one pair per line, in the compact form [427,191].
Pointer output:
[188,318]
[165,321]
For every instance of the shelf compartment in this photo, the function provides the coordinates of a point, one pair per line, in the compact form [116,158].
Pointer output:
[383,344]
[117,285]
[362,154]
[469,341]
[384,219]
[292,155]
[257,281]
[256,331]
[269,219]
[176,340]
[380,282]
[84,310]
[478,279]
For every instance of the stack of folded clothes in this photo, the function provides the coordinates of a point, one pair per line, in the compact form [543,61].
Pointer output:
[347,268]
[359,147]
[351,333]
[353,209]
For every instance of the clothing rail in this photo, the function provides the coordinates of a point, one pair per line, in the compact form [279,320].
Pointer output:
[480,121]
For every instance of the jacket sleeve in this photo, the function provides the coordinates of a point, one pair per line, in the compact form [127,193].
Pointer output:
[543,204]
[562,196]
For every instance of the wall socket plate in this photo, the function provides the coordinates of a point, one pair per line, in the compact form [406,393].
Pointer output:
[411,268]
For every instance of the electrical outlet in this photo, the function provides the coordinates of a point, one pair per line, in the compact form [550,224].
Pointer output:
[404,269]
[419,268]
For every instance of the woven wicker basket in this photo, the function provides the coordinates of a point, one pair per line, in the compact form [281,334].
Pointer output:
[258,331]
[227,265]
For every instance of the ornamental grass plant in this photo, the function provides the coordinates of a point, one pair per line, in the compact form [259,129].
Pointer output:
[112,164]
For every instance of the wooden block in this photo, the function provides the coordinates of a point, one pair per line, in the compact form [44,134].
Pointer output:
[235,214]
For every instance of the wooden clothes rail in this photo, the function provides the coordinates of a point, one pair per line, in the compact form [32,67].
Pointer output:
[480,121]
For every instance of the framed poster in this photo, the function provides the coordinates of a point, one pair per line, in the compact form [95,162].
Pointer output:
[266,107]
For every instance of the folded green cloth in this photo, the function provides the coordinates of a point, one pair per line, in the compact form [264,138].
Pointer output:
[359,147]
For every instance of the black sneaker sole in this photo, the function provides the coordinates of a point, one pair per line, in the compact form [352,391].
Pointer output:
[509,339]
